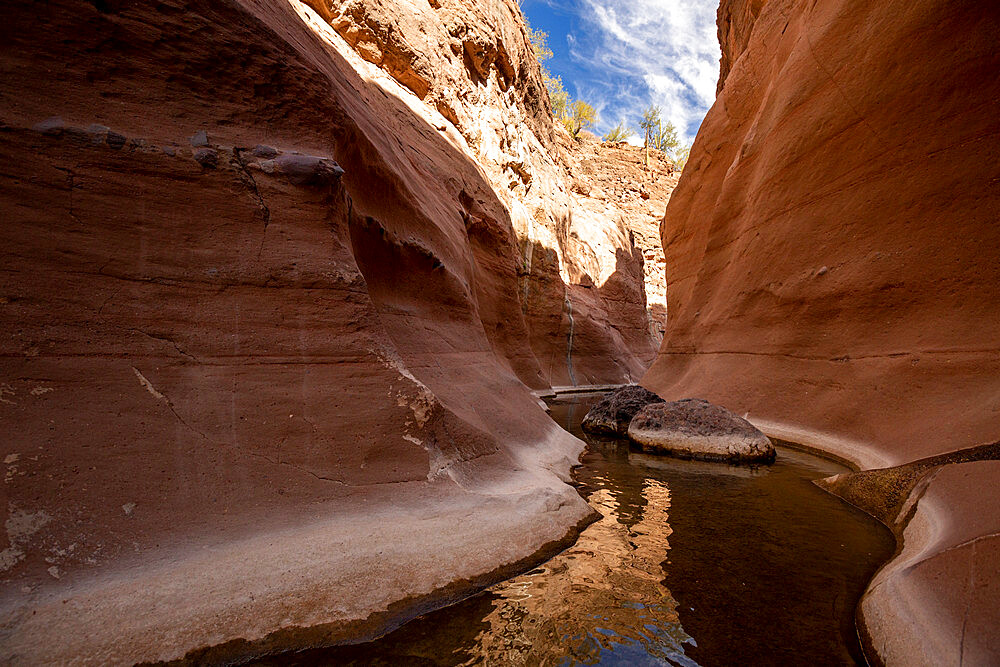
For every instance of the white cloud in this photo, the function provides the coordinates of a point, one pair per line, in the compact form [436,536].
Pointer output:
[641,52]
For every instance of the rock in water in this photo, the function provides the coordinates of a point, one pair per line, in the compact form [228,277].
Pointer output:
[695,429]
[611,416]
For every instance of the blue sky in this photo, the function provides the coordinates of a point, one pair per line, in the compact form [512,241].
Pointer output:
[622,55]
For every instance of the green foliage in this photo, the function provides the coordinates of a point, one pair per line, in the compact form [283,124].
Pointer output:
[680,157]
[581,116]
[650,119]
[662,137]
[557,95]
[618,134]
[575,115]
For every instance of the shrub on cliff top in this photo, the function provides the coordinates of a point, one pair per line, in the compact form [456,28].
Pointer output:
[581,116]
[575,115]
[619,134]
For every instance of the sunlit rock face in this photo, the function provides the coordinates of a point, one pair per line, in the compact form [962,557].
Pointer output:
[277,280]
[589,262]
[831,263]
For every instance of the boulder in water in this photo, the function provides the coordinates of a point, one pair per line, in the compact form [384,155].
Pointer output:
[693,428]
[611,416]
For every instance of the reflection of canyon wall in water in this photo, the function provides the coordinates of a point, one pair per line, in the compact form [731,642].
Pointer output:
[833,266]
[603,593]
[211,334]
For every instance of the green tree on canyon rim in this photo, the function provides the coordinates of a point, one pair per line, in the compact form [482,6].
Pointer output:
[578,115]
[575,115]
[662,136]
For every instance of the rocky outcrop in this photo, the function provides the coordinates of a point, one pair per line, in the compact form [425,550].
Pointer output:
[268,324]
[827,262]
[614,183]
[693,428]
[613,413]
[936,601]
[581,267]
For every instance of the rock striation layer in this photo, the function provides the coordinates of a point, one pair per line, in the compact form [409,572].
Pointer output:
[276,282]
[830,248]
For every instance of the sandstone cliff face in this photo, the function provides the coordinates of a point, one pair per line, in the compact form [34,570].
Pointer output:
[265,349]
[831,249]
[471,71]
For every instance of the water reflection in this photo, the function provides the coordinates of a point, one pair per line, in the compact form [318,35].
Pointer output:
[601,600]
[764,569]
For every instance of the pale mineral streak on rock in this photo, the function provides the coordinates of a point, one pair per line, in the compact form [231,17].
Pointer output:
[20,525]
[148,386]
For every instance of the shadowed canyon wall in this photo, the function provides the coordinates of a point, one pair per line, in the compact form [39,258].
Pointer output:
[276,284]
[833,270]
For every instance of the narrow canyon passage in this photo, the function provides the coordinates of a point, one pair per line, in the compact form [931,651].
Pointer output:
[282,281]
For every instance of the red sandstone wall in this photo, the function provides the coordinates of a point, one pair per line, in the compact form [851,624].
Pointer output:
[833,269]
[224,384]
[832,247]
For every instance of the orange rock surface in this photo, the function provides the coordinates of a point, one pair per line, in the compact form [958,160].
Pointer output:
[832,250]
[268,325]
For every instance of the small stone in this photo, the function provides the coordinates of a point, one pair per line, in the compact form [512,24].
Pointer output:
[580,187]
[693,428]
[127,508]
[115,140]
[308,169]
[77,135]
[612,414]
[200,138]
[264,152]
[822,272]
[54,571]
[98,133]
[207,158]
[51,127]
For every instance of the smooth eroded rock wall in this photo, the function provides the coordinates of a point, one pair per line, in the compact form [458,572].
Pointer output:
[831,246]
[833,269]
[263,363]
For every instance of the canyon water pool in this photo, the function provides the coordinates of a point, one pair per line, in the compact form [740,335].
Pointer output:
[690,564]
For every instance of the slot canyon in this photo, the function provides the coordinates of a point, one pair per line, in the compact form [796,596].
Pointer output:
[284,283]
